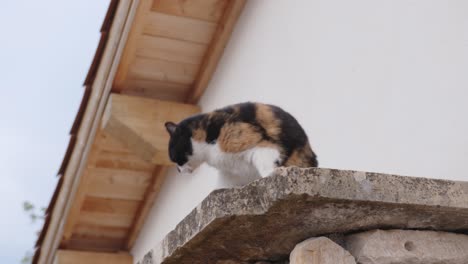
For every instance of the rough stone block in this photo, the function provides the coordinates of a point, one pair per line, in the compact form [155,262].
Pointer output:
[320,250]
[265,219]
[409,247]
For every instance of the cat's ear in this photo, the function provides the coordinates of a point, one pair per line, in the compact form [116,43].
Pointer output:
[170,127]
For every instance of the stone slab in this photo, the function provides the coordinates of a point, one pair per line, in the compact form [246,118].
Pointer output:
[409,247]
[264,220]
[320,250]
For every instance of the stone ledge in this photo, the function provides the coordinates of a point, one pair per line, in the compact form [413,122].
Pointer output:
[267,218]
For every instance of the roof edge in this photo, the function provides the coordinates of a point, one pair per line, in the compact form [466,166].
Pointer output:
[98,86]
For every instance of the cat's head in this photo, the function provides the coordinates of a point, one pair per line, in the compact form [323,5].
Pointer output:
[180,147]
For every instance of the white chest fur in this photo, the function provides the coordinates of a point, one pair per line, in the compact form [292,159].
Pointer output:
[241,167]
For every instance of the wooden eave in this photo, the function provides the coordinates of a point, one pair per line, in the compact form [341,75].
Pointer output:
[153,62]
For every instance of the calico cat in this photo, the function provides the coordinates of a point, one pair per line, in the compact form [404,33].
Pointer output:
[247,140]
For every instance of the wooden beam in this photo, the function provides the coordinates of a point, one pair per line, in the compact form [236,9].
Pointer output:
[150,198]
[100,89]
[78,198]
[139,124]
[207,10]
[216,48]
[78,257]
[95,244]
[144,8]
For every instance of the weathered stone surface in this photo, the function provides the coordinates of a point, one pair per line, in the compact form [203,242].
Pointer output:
[409,247]
[267,218]
[320,250]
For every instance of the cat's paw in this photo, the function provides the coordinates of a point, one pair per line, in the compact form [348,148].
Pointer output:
[264,160]
[266,171]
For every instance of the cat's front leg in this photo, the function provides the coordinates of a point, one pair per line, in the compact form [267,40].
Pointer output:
[265,160]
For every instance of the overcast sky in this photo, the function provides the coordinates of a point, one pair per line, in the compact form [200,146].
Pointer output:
[46,48]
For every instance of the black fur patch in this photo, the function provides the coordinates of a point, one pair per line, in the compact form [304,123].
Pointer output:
[180,146]
[292,135]
[247,113]
[214,125]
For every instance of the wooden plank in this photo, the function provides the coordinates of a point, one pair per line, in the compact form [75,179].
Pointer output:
[110,206]
[119,184]
[156,90]
[85,136]
[161,70]
[100,231]
[139,124]
[101,142]
[79,197]
[100,244]
[144,8]
[172,50]
[105,219]
[220,40]
[88,182]
[79,257]
[117,161]
[209,10]
[182,28]
[148,202]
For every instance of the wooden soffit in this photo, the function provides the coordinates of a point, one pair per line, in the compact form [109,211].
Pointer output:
[153,63]
[174,47]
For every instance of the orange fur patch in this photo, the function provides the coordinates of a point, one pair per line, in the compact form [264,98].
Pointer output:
[267,144]
[300,157]
[308,150]
[237,137]
[295,159]
[199,134]
[267,119]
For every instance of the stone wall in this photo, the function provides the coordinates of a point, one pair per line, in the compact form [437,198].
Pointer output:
[385,247]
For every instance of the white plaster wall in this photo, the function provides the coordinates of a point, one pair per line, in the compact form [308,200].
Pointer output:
[377,85]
